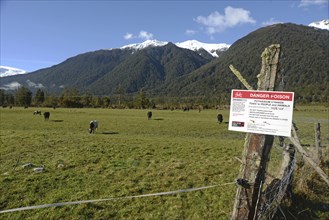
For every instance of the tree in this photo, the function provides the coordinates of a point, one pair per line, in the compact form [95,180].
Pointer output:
[51,101]
[23,96]
[87,100]
[97,102]
[70,98]
[2,97]
[39,97]
[10,99]
[141,100]
[106,102]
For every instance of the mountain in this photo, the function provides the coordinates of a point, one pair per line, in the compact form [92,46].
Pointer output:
[103,71]
[324,24]
[90,70]
[204,49]
[167,70]
[213,49]
[148,69]
[145,44]
[10,71]
[303,68]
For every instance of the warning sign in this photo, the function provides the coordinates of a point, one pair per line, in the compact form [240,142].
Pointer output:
[263,112]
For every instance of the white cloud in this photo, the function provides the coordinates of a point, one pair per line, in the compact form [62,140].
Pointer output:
[128,36]
[216,22]
[144,35]
[270,22]
[235,16]
[11,86]
[32,84]
[190,32]
[305,3]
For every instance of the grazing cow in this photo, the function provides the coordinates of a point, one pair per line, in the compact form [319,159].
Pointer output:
[220,118]
[149,115]
[46,115]
[93,125]
[37,112]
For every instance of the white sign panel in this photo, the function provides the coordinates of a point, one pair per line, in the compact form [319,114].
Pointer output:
[262,112]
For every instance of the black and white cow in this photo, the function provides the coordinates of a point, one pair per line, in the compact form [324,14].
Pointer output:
[149,115]
[37,112]
[46,115]
[93,125]
[220,118]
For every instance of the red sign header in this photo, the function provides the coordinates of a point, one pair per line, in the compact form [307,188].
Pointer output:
[268,95]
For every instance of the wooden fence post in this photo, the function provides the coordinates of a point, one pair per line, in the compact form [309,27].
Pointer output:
[307,157]
[256,148]
[318,152]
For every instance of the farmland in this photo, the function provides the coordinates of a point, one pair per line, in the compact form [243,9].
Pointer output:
[129,155]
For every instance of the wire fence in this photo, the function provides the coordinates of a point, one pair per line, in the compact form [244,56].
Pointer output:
[272,196]
[113,198]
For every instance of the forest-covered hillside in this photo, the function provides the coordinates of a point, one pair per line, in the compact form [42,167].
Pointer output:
[172,72]
[303,64]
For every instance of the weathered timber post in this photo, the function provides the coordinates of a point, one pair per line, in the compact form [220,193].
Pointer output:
[318,152]
[288,156]
[257,147]
[307,157]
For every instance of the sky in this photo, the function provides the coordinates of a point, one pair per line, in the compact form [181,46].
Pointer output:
[39,34]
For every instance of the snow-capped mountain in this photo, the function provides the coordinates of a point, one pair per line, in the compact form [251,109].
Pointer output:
[324,24]
[194,45]
[210,48]
[10,71]
[145,44]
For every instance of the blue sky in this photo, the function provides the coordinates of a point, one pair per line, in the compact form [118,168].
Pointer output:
[38,34]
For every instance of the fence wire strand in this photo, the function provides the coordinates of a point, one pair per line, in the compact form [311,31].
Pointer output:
[113,198]
[271,197]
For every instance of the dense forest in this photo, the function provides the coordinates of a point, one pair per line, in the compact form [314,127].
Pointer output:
[303,64]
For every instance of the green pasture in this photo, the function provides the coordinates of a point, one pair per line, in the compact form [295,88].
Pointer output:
[129,155]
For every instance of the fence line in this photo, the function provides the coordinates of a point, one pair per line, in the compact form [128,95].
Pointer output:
[111,199]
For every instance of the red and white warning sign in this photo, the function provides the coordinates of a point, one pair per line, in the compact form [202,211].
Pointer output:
[263,112]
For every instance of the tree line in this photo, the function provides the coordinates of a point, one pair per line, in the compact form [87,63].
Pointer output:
[72,98]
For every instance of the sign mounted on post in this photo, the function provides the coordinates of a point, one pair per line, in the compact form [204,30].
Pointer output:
[262,112]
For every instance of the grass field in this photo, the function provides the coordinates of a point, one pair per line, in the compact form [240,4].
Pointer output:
[128,155]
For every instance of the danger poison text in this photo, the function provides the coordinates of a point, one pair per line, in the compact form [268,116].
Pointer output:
[264,95]
[270,96]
